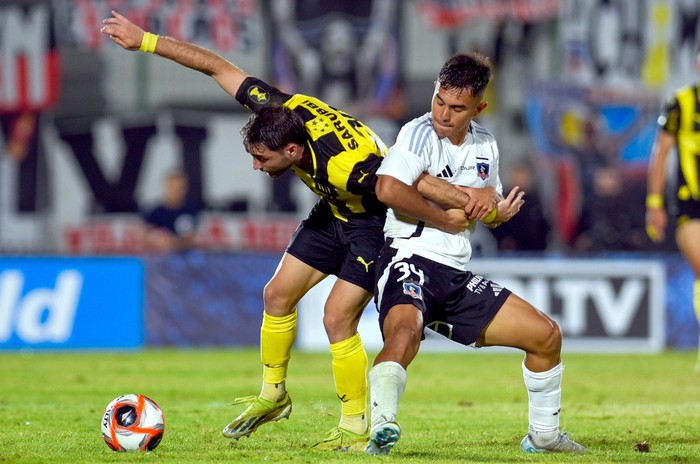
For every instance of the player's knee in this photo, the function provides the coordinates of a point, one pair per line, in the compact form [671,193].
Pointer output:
[277,301]
[551,343]
[332,321]
[403,337]
[340,322]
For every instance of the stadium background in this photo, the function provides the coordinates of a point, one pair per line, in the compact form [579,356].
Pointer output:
[88,131]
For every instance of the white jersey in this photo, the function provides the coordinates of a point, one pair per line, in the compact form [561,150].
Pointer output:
[418,149]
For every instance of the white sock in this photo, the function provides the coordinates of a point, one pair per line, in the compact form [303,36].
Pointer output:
[387,381]
[544,395]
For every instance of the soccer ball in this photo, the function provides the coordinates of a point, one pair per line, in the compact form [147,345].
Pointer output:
[133,423]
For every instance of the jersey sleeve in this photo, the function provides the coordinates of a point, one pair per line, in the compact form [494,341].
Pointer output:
[255,93]
[669,120]
[405,160]
[495,180]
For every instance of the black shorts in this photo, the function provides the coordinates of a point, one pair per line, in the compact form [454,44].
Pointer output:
[687,210]
[456,304]
[347,250]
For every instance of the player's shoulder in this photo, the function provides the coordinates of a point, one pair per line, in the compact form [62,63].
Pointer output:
[481,133]
[308,100]
[254,94]
[682,93]
[690,88]
[417,133]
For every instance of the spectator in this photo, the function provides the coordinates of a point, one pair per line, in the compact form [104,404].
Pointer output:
[612,218]
[172,224]
[529,229]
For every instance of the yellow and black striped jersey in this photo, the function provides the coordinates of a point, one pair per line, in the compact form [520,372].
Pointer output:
[681,117]
[346,154]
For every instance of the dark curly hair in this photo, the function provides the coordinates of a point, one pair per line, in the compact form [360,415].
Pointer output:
[274,126]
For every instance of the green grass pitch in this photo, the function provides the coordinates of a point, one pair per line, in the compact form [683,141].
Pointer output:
[461,407]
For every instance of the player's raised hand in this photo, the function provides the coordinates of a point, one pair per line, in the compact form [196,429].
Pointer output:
[510,205]
[123,32]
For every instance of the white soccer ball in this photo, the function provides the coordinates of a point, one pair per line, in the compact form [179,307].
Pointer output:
[133,423]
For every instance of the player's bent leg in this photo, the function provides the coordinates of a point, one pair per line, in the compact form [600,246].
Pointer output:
[349,364]
[273,404]
[518,324]
[277,337]
[291,281]
[402,329]
[350,375]
[387,383]
[544,406]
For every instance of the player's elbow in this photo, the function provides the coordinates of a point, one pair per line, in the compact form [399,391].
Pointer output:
[383,189]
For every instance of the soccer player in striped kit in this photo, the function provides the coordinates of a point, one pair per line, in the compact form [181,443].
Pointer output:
[424,279]
[679,127]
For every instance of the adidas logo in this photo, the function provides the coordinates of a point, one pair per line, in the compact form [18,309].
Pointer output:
[446,172]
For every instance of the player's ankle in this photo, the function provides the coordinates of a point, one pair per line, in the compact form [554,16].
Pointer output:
[355,423]
[274,392]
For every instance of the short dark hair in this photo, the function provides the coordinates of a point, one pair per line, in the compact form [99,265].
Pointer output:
[274,126]
[466,71]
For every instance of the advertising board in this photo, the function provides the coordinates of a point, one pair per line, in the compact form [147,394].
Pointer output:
[601,305]
[71,303]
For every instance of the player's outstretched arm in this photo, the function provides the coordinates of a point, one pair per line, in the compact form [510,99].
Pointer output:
[131,37]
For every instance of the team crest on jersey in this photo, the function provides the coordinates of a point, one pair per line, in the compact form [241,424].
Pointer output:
[482,170]
[258,94]
[318,127]
[412,290]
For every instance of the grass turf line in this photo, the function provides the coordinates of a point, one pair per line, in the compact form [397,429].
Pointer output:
[463,407]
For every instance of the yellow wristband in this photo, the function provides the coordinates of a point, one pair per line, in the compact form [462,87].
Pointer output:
[651,232]
[492,215]
[148,43]
[655,200]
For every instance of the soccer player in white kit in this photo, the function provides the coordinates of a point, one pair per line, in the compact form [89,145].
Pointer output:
[423,279]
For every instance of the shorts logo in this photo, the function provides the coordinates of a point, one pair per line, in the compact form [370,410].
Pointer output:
[412,290]
[257,94]
[482,170]
[362,176]
[364,263]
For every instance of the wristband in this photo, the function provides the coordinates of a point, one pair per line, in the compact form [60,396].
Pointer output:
[148,43]
[651,232]
[492,215]
[655,200]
